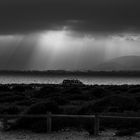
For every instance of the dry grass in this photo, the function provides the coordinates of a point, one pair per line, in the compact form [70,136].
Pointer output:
[71,135]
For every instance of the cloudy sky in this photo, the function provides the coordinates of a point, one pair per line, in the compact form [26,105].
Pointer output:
[67,34]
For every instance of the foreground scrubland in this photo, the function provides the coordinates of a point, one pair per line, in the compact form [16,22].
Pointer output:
[60,99]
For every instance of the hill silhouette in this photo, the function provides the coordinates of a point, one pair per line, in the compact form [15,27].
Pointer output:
[124,63]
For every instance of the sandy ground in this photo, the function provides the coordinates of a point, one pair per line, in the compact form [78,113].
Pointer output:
[71,135]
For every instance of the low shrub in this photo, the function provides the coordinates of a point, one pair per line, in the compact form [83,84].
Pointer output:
[98,92]
[11,109]
[70,109]
[134,90]
[123,103]
[72,90]
[59,100]
[35,109]
[25,102]
[12,98]
[5,88]
[126,132]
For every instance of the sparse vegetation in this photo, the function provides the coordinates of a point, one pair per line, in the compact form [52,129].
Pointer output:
[126,132]
[59,99]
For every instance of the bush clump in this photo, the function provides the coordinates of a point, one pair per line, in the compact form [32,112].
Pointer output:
[99,92]
[11,109]
[32,123]
[126,132]
[123,103]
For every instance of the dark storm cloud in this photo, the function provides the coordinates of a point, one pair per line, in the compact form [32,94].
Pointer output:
[21,16]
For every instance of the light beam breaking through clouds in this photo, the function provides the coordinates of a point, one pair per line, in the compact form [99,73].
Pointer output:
[64,49]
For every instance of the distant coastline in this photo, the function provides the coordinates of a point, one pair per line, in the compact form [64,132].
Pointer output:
[73,73]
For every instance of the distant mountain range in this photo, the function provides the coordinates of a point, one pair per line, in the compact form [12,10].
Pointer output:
[120,66]
[124,63]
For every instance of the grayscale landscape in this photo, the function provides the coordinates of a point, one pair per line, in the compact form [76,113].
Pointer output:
[69,69]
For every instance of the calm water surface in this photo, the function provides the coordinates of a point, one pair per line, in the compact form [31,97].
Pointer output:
[6,79]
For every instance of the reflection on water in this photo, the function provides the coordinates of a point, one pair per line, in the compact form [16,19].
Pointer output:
[58,79]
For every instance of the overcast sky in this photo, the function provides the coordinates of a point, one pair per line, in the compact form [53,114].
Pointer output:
[67,34]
